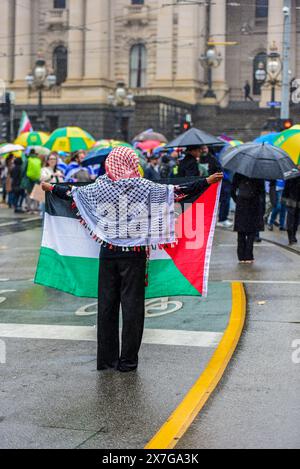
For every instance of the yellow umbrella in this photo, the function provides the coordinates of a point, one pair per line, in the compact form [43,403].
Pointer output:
[289,141]
[69,140]
[32,139]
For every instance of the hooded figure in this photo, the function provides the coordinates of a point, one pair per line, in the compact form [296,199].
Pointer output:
[126,215]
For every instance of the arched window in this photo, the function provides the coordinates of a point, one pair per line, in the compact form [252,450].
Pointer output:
[262,9]
[259,62]
[60,63]
[59,4]
[138,66]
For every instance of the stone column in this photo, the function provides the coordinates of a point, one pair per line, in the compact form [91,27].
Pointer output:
[275,25]
[23,49]
[218,34]
[76,40]
[275,37]
[190,28]
[165,45]
[97,45]
[6,41]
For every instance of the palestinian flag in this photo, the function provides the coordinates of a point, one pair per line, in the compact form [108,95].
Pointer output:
[69,258]
[25,124]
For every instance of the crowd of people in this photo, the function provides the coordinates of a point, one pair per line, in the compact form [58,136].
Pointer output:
[21,178]
[256,203]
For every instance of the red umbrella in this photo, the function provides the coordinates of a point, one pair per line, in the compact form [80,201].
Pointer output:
[148,145]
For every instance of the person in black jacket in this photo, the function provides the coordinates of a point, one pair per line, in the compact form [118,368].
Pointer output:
[122,277]
[18,192]
[249,216]
[152,172]
[291,196]
[189,166]
[210,161]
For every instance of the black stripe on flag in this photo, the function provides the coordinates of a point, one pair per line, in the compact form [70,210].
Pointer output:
[57,207]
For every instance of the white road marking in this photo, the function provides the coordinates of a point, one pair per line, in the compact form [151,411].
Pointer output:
[79,333]
[267,282]
[3,298]
[9,223]
[263,245]
[26,220]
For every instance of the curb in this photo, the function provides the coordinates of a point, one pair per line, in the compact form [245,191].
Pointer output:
[181,419]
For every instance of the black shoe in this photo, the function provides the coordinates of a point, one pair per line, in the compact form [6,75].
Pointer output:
[126,367]
[107,366]
[258,239]
[282,228]
[270,227]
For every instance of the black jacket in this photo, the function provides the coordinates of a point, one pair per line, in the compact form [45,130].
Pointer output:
[16,176]
[212,163]
[151,174]
[291,194]
[250,208]
[188,167]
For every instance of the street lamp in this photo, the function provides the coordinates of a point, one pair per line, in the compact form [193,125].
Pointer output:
[270,74]
[121,98]
[40,79]
[211,59]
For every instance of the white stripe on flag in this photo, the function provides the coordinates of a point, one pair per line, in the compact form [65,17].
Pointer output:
[79,333]
[69,238]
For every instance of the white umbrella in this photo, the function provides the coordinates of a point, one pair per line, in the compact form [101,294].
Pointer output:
[39,150]
[10,148]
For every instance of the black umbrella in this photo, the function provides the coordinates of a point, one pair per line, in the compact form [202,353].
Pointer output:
[194,138]
[260,161]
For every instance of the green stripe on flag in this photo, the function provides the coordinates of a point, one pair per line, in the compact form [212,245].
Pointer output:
[79,276]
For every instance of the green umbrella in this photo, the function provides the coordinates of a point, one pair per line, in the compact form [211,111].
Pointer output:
[69,140]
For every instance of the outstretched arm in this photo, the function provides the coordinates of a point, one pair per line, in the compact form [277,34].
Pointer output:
[63,192]
[194,188]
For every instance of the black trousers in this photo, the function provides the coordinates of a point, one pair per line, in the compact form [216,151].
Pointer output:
[121,282]
[246,246]
[293,220]
[225,201]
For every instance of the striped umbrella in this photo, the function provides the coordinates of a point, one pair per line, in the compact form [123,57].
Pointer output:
[289,141]
[268,138]
[70,139]
[230,141]
[7,148]
[32,139]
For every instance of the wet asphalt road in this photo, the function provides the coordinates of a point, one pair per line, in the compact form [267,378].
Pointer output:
[257,404]
[53,397]
[51,394]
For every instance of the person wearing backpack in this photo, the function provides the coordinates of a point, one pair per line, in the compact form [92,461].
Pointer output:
[31,176]
[249,216]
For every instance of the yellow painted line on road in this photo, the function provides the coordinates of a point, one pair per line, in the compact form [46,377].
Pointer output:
[181,419]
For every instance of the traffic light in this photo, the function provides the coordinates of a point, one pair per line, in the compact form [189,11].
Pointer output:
[187,123]
[278,125]
[186,126]
[6,105]
[177,130]
[4,131]
[287,124]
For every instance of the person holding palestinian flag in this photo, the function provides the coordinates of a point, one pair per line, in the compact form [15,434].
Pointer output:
[127,216]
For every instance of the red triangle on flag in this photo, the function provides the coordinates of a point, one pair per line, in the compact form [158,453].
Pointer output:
[195,229]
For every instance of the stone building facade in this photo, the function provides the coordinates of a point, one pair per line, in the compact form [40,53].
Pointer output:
[154,46]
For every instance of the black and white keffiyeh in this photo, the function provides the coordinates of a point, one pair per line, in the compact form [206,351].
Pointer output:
[128,212]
